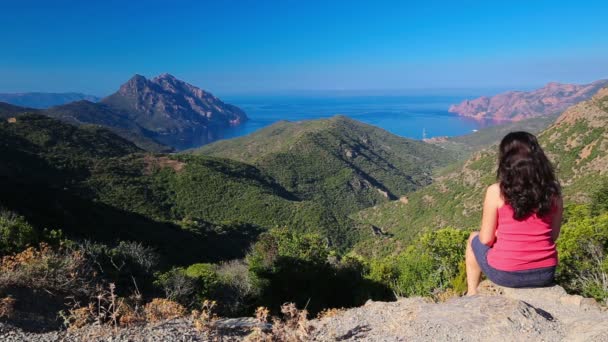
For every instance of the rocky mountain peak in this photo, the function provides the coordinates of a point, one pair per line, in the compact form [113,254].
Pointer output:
[166,76]
[178,113]
[134,84]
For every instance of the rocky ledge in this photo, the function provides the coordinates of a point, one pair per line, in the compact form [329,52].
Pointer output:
[497,313]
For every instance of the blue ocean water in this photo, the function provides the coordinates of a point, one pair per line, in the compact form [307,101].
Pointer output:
[406,116]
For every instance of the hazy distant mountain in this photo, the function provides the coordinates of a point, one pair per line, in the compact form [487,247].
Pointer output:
[552,99]
[44,100]
[178,113]
[8,110]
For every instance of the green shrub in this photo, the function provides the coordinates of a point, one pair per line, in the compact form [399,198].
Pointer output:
[294,267]
[236,291]
[417,274]
[599,199]
[583,254]
[15,233]
[432,263]
[177,286]
[206,278]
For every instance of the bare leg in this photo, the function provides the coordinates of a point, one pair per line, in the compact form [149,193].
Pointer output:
[473,269]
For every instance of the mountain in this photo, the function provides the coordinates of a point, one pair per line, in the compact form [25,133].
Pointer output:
[344,164]
[8,110]
[158,115]
[91,113]
[44,100]
[94,184]
[552,99]
[577,143]
[179,114]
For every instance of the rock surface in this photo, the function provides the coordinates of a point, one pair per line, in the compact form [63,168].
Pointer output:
[497,313]
[545,314]
[518,105]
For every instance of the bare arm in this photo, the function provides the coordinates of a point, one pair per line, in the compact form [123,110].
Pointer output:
[556,220]
[489,219]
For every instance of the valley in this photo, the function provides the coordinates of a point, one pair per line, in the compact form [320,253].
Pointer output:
[345,210]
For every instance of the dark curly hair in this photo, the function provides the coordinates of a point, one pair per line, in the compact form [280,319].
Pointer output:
[526,176]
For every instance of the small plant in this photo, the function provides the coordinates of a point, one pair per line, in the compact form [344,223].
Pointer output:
[204,320]
[161,309]
[77,317]
[293,327]
[7,307]
[258,334]
[108,305]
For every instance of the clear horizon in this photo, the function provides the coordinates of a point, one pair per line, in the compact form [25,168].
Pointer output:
[286,47]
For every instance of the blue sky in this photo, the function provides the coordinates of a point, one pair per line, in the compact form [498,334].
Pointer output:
[230,47]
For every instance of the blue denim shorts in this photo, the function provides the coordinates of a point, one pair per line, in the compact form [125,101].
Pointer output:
[537,277]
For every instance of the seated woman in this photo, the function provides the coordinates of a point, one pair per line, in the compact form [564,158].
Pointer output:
[521,220]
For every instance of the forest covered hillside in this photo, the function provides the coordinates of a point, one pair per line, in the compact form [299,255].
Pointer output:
[340,162]
[62,176]
[577,144]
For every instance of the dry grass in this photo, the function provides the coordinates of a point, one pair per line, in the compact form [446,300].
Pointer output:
[161,309]
[107,309]
[442,296]
[153,163]
[59,271]
[326,313]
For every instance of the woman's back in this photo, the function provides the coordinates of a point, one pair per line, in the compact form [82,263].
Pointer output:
[522,244]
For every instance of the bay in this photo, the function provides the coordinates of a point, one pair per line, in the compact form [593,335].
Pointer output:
[407,116]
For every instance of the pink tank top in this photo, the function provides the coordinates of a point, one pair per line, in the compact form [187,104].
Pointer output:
[522,245]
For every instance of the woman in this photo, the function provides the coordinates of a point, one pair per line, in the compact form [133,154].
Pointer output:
[521,219]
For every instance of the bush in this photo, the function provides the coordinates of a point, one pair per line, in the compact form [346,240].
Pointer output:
[177,286]
[59,271]
[432,263]
[236,291]
[206,278]
[583,253]
[599,199]
[291,266]
[417,274]
[15,233]
[129,265]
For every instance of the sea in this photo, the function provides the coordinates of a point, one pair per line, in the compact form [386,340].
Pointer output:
[414,117]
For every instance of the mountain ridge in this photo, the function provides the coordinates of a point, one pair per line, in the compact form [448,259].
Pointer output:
[159,115]
[551,99]
[41,100]
[339,161]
